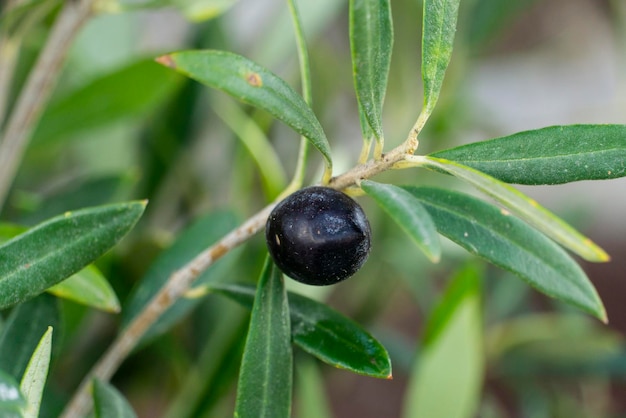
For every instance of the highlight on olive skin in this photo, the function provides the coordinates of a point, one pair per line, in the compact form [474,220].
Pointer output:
[318,236]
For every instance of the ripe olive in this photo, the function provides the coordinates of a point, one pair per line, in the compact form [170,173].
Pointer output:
[318,236]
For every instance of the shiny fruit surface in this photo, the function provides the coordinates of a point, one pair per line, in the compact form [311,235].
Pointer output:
[318,236]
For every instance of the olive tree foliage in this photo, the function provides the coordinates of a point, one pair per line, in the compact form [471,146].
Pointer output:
[61,256]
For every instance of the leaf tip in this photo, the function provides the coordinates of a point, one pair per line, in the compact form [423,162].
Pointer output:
[166,60]
[389,376]
[603,316]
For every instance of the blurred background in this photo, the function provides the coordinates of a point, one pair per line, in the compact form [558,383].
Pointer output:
[121,127]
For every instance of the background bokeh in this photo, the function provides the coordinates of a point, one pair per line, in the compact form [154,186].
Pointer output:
[517,65]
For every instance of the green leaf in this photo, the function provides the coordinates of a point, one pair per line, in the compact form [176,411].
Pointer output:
[11,399]
[109,403]
[193,10]
[498,237]
[311,393]
[54,250]
[409,214]
[552,155]
[258,145]
[34,379]
[568,337]
[18,18]
[23,330]
[447,378]
[254,85]
[371,42]
[80,193]
[130,92]
[197,237]
[88,287]
[524,207]
[438,30]
[201,10]
[324,333]
[265,379]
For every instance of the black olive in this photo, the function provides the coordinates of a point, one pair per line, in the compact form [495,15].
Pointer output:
[318,236]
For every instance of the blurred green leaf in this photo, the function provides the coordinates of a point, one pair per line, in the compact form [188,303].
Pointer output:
[251,84]
[196,238]
[34,379]
[213,375]
[88,287]
[11,399]
[556,337]
[201,10]
[552,155]
[109,403]
[438,30]
[409,214]
[54,250]
[324,333]
[23,330]
[130,92]
[17,19]
[310,390]
[254,139]
[498,237]
[448,375]
[265,379]
[9,230]
[193,10]
[524,207]
[371,42]
[80,193]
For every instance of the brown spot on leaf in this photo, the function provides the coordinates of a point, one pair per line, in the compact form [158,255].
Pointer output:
[254,79]
[166,60]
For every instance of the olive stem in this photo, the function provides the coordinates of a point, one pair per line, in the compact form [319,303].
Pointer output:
[177,285]
[38,89]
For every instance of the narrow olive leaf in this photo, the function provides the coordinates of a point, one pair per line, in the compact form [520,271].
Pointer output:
[265,379]
[23,330]
[254,85]
[34,379]
[447,379]
[498,237]
[11,399]
[371,42]
[325,333]
[409,214]
[129,92]
[439,26]
[54,250]
[109,402]
[524,207]
[310,390]
[552,155]
[88,287]
[197,237]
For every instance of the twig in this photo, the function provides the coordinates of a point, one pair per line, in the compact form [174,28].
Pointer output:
[8,60]
[38,89]
[180,282]
[177,285]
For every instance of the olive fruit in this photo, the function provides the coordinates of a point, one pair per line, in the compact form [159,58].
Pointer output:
[318,236]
